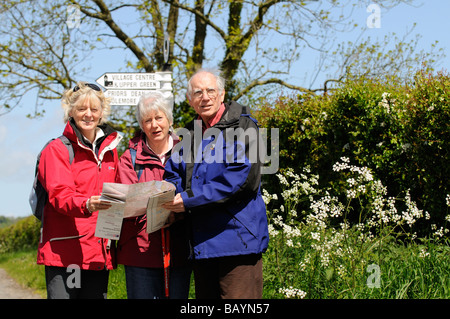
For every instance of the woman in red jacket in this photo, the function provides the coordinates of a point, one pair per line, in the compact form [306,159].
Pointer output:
[76,262]
[148,275]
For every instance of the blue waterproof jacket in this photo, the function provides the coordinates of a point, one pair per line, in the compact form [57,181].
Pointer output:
[218,174]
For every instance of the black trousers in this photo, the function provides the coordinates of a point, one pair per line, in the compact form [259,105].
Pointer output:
[73,283]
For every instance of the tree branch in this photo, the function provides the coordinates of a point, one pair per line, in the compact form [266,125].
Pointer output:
[105,16]
[272,81]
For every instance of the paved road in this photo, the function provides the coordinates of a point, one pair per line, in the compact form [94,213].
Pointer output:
[9,289]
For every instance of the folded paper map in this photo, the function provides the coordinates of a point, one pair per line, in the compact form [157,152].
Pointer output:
[131,201]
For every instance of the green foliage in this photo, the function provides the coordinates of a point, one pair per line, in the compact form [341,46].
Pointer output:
[183,113]
[410,271]
[397,129]
[7,221]
[428,134]
[116,284]
[320,253]
[22,235]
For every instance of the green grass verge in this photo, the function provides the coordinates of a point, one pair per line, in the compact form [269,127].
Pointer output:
[407,272]
[22,267]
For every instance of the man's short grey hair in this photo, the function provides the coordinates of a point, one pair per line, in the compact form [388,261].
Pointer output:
[220,81]
[153,101]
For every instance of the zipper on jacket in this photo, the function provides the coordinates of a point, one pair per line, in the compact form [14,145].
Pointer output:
[99,164]
[65,238]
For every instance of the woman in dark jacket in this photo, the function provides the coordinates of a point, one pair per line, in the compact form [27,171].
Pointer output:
[148,275]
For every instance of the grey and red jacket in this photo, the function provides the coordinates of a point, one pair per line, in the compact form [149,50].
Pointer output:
[68,229]
[136,247]
[219,179]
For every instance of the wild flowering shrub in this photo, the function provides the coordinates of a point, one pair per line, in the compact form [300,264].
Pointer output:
[397,128]
[330,249]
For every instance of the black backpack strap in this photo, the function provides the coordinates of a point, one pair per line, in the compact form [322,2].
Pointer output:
[190,169]
[39,196]
[137,167]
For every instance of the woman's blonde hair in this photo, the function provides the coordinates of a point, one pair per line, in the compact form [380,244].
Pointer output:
[85,90]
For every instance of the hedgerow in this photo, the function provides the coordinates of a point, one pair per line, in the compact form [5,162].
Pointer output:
[22,235]
[399,130]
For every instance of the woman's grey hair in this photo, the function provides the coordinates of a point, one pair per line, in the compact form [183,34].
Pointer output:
[220,81]
[84,90]
[153,101]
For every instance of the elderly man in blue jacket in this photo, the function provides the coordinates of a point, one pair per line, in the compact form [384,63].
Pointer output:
[217,173]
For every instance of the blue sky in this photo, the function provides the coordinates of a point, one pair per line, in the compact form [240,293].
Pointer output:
[21,138]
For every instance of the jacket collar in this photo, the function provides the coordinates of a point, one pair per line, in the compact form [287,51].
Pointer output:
[230,117]
[74,134]
[232,114]
[109,141]
[143,152]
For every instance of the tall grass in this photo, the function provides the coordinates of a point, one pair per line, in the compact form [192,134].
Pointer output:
[331,251]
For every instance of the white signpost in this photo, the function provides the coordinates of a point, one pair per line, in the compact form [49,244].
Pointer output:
[125,97]
[125,89]
[130,81]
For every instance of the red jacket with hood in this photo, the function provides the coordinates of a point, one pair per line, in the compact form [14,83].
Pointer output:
[136,247]
[68,227]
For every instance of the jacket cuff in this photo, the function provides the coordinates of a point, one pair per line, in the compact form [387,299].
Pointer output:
[185,196]
[85,208]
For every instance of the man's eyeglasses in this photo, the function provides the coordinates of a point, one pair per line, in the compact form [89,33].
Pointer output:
[92,86]
[212,93]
